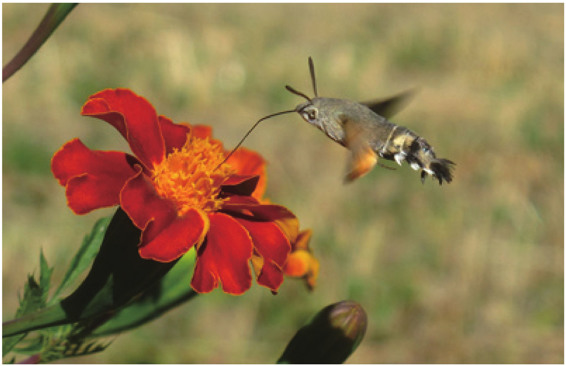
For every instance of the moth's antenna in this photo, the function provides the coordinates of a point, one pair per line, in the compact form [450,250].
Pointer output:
[313,78]
[296,92]
[248,133]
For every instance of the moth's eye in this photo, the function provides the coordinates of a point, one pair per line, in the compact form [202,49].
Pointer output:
[311,114]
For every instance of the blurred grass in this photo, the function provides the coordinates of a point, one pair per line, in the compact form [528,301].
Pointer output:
[471,272]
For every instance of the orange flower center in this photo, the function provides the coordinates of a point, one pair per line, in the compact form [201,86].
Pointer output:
[189,176]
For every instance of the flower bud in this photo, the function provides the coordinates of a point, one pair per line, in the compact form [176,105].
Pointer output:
[332,335]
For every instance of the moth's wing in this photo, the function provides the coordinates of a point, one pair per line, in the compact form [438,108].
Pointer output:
[388,107]
[362,158]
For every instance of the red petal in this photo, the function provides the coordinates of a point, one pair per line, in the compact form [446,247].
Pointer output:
[247,162]
[286,220]
[134,117]
[224,257]
[174,135]
[176,238]
[166,236]
[143,204]
[272,245]
[201,131]
[239,203]
[240,184]
[93,179]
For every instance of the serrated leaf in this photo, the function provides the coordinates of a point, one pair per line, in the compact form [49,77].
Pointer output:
[32,299]
[35,294]
[84,256]
[67,348]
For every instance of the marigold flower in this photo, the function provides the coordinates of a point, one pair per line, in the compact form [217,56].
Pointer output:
[175,189]
[301,262]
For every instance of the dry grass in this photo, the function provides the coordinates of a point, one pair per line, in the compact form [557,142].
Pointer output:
[471,272]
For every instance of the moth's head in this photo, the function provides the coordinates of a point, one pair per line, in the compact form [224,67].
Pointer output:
[309,111]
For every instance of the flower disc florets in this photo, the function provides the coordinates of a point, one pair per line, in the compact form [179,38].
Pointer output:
[191,176]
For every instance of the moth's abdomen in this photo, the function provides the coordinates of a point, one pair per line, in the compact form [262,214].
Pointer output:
[403,144]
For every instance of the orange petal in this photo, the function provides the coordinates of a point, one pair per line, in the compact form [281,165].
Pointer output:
[303,264]
[303,240]
[297,264]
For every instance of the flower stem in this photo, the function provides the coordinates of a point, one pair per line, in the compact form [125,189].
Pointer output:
[47,317]
[54,16]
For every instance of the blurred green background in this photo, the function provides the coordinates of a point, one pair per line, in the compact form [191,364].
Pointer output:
[470,272]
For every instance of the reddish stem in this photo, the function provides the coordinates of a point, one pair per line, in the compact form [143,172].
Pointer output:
[54,16]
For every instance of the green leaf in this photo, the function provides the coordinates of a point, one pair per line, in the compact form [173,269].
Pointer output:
[118,275]
[85,255]
[72,349]
[44,277]
[34,299]
[173,290]
[35,294]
